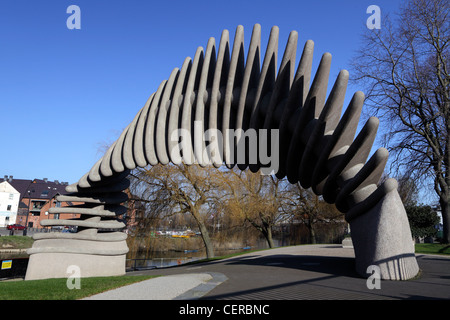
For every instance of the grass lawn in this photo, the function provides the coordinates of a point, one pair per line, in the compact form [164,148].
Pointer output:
[432,248]
[56,289]
[15,242]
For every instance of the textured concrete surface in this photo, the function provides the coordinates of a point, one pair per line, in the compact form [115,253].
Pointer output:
[382,237]
[54,264]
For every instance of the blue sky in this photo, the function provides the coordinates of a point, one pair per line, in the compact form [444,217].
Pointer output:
[66,93]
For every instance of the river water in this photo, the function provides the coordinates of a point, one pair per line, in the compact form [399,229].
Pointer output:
[163,259]
[172,258]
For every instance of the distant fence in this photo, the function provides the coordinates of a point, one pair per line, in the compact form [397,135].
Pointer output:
[35,230]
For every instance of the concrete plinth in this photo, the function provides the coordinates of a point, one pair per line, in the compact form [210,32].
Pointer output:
[56,265]
[53,255]
[382,237]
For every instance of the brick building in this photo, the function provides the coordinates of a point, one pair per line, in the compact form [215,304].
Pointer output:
[36,198]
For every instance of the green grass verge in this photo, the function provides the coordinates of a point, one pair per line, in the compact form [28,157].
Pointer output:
[15,242]
[56,289]
[432,248]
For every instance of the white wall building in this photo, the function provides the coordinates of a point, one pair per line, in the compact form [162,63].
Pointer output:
[9,204]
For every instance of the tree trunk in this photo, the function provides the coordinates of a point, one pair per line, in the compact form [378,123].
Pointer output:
[312,232]
[206,240]
[205,235]
[267,232]
[312,235]
[445,210]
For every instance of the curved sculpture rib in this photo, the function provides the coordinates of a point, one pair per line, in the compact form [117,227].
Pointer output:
[189,119]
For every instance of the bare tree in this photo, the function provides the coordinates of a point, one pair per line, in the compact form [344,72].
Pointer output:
[407,189]
[310,209]
[404,67]
[256,199]
[180,189]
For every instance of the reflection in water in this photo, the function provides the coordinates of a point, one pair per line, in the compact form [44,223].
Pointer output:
[172,258]
[13,255]
[164,259]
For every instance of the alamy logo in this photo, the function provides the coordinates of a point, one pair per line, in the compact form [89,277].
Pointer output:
[250,146]
[374,21]
[74,279]
[374,280]
[74,20]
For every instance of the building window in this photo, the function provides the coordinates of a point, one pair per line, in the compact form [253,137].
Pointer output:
[8,208]
[11,196]
[38,204]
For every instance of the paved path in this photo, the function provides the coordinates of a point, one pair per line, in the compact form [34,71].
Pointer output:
[317,272]
[161,288]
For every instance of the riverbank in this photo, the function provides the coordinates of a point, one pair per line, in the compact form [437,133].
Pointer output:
[19,244]
[14,246]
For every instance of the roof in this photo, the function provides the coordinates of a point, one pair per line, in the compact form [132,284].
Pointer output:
[39,188]
[7,188]
[20,185]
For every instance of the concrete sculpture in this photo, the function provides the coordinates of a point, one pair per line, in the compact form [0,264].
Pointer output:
[222,88]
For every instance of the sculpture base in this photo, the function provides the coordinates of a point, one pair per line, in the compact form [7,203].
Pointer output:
[92,254]
[59,265]
[382,237]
